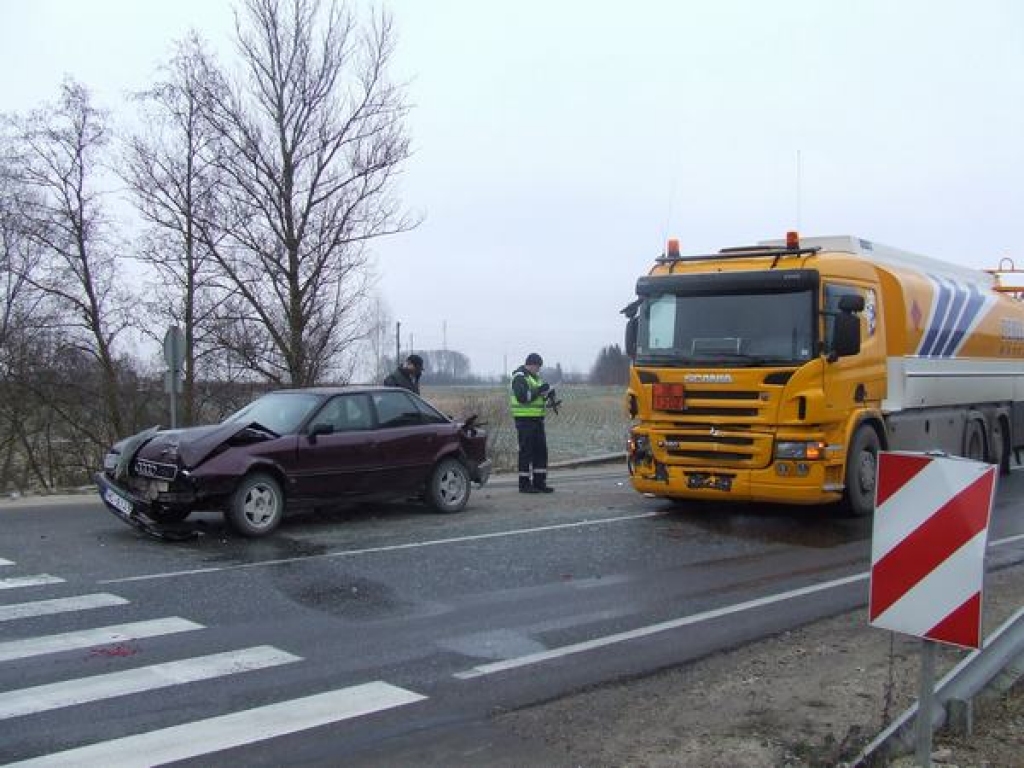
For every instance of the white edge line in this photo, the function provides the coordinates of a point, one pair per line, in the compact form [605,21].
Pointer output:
[600,642]
[633,634]
[389,548]
[181,742]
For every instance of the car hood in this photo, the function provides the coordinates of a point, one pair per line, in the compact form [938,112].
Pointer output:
[187,447]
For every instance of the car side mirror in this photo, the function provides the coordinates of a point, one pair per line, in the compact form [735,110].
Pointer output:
[320,429]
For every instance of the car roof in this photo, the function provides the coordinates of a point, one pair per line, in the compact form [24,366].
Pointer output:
[335,390]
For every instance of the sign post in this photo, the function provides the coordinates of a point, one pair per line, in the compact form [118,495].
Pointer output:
[174,356]
[928,558]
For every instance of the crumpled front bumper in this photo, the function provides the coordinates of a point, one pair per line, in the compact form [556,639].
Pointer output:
[483,472]
[130,509]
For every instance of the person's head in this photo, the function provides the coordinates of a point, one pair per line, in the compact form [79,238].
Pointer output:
[414,364]
[534,362]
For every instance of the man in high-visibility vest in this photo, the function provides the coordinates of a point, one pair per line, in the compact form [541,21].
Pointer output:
[527,396]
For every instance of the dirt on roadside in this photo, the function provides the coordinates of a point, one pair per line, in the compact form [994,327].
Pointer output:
[808,698]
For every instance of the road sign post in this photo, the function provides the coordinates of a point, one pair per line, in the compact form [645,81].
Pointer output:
[174,356]
[928,558]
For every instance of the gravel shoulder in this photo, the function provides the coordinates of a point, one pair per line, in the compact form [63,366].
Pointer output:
[808,698]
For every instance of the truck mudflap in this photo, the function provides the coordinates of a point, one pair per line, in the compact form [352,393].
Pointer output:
[134,511]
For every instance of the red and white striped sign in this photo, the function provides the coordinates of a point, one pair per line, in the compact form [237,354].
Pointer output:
[928,546]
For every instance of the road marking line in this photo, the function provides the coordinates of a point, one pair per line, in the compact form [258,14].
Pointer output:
[389,548]
[87,638]
[621,637]
[6,562]
[633,634]
[1007,540]
[59,605]
[29,581]
[202,737]
[68,693]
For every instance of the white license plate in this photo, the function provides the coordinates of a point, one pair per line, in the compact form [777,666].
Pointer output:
[116,501]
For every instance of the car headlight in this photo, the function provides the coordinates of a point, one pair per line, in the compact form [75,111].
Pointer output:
[799,449]
[110,462]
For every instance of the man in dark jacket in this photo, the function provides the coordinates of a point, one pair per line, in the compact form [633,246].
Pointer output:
[407,375]
[527,400]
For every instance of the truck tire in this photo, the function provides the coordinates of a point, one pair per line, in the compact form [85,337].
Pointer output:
[861,473]
[448,487]
[974,441]
[1000,450]
[256,507]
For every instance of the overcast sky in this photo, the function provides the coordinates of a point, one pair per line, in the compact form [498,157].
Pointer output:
[558,144]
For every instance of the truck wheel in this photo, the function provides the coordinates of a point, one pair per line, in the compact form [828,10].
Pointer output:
[1000,451]
[256,507]
[448,487]
[861,473]
[974,441]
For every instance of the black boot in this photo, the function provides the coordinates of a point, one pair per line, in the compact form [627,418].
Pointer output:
[525,487]
[542,488]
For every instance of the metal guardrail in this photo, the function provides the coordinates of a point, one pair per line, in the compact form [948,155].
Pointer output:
[997,665]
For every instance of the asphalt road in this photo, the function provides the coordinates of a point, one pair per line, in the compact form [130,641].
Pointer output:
[386,634]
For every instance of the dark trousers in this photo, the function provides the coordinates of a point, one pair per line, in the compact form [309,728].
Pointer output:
[533,451]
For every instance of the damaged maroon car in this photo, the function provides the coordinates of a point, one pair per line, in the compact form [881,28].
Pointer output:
[291,448]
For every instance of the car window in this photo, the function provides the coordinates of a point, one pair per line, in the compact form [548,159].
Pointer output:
[428,414]
[396,409]
[346,413]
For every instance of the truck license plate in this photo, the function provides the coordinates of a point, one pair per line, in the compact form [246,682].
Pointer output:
[714,482]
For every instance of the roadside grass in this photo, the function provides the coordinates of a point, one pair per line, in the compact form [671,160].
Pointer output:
[591,420]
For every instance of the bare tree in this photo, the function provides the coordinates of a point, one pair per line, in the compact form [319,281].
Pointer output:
[312,136]
[170,169]
[60,151]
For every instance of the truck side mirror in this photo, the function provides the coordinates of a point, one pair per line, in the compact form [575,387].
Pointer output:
[846,337]
[631,329]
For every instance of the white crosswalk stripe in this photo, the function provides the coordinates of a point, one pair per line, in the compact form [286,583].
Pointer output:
[59,605]
[237,729]
[87,638]
[16,582]
[179,742]
[42,698]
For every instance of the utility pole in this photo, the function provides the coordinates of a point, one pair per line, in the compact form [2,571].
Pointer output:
[398,343]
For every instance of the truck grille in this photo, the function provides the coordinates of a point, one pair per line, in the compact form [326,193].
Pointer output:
[715,429]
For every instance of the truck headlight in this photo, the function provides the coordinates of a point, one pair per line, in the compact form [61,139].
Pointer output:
[799,449]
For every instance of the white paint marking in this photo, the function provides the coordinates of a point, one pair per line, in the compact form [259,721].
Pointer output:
[633,634]
[621,637]
[16,582]
[390,548]
[87,638]
[182,742]
[59,605]
[68,693]
[6,562]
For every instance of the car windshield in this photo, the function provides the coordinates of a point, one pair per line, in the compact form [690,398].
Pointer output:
[280,412]
[731,329]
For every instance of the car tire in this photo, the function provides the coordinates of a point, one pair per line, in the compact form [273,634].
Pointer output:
[256,507]
[449,486]
[861,473]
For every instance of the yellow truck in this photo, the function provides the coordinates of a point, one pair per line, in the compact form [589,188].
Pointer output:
[776,372]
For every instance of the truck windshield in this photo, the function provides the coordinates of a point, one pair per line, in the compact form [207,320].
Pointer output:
[726,330]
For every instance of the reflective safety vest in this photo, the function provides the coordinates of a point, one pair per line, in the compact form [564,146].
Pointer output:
[536,405]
